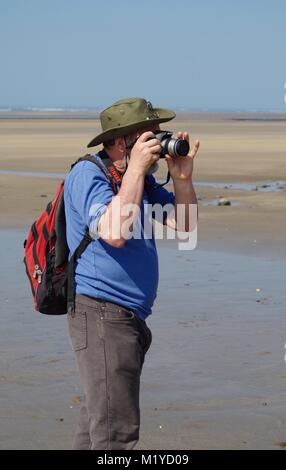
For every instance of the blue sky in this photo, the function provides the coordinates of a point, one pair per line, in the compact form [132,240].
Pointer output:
[197,54]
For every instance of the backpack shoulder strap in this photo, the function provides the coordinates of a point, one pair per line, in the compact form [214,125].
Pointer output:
[70,273]
[100,165]
[86,238]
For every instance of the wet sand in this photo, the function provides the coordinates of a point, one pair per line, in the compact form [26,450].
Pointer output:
[214,377]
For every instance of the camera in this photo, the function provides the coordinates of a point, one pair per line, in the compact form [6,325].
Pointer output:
[171,146]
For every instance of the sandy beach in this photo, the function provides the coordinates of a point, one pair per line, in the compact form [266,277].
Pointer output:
[235,148]
[215,375]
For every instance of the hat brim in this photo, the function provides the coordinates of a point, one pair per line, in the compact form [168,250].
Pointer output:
[165,115]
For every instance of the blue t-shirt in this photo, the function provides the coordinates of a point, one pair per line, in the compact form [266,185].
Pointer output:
[127,276]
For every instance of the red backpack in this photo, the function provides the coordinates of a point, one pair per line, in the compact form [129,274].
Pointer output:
[49,270]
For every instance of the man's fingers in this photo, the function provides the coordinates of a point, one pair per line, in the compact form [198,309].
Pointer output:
[152,142]
[195,149]
[170,162]
[145,136]
[186,136]
[182,135]
[155,157]
[156,149]
[168,158]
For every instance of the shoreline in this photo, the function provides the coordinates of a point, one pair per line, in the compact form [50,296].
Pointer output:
[274,251]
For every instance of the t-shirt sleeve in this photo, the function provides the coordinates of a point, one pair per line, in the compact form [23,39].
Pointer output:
[90,193]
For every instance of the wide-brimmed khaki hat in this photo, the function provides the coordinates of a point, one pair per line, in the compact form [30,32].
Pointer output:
[128,115]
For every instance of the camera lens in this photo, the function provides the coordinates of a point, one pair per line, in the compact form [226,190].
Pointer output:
[181,148]
[171,146]
[176,147]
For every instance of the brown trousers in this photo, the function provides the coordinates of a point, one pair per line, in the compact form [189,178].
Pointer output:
[110,343]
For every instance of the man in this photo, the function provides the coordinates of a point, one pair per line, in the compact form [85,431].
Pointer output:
[117,276]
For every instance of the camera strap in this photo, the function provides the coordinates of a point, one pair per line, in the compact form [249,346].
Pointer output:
[167,180]
[114,173]
[160,185]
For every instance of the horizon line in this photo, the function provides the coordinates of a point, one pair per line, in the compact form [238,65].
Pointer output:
[97,109]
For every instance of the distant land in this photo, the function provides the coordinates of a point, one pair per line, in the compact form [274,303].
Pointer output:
[33,113]
[98,108]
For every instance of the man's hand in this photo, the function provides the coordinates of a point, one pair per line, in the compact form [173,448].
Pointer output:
[145,152]
[181,168]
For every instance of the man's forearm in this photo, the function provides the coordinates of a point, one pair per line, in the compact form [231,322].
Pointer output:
[116,222]
[184,216]
[184,192]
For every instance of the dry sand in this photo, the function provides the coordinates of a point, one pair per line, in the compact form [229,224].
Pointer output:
[231,151]
[215,374]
